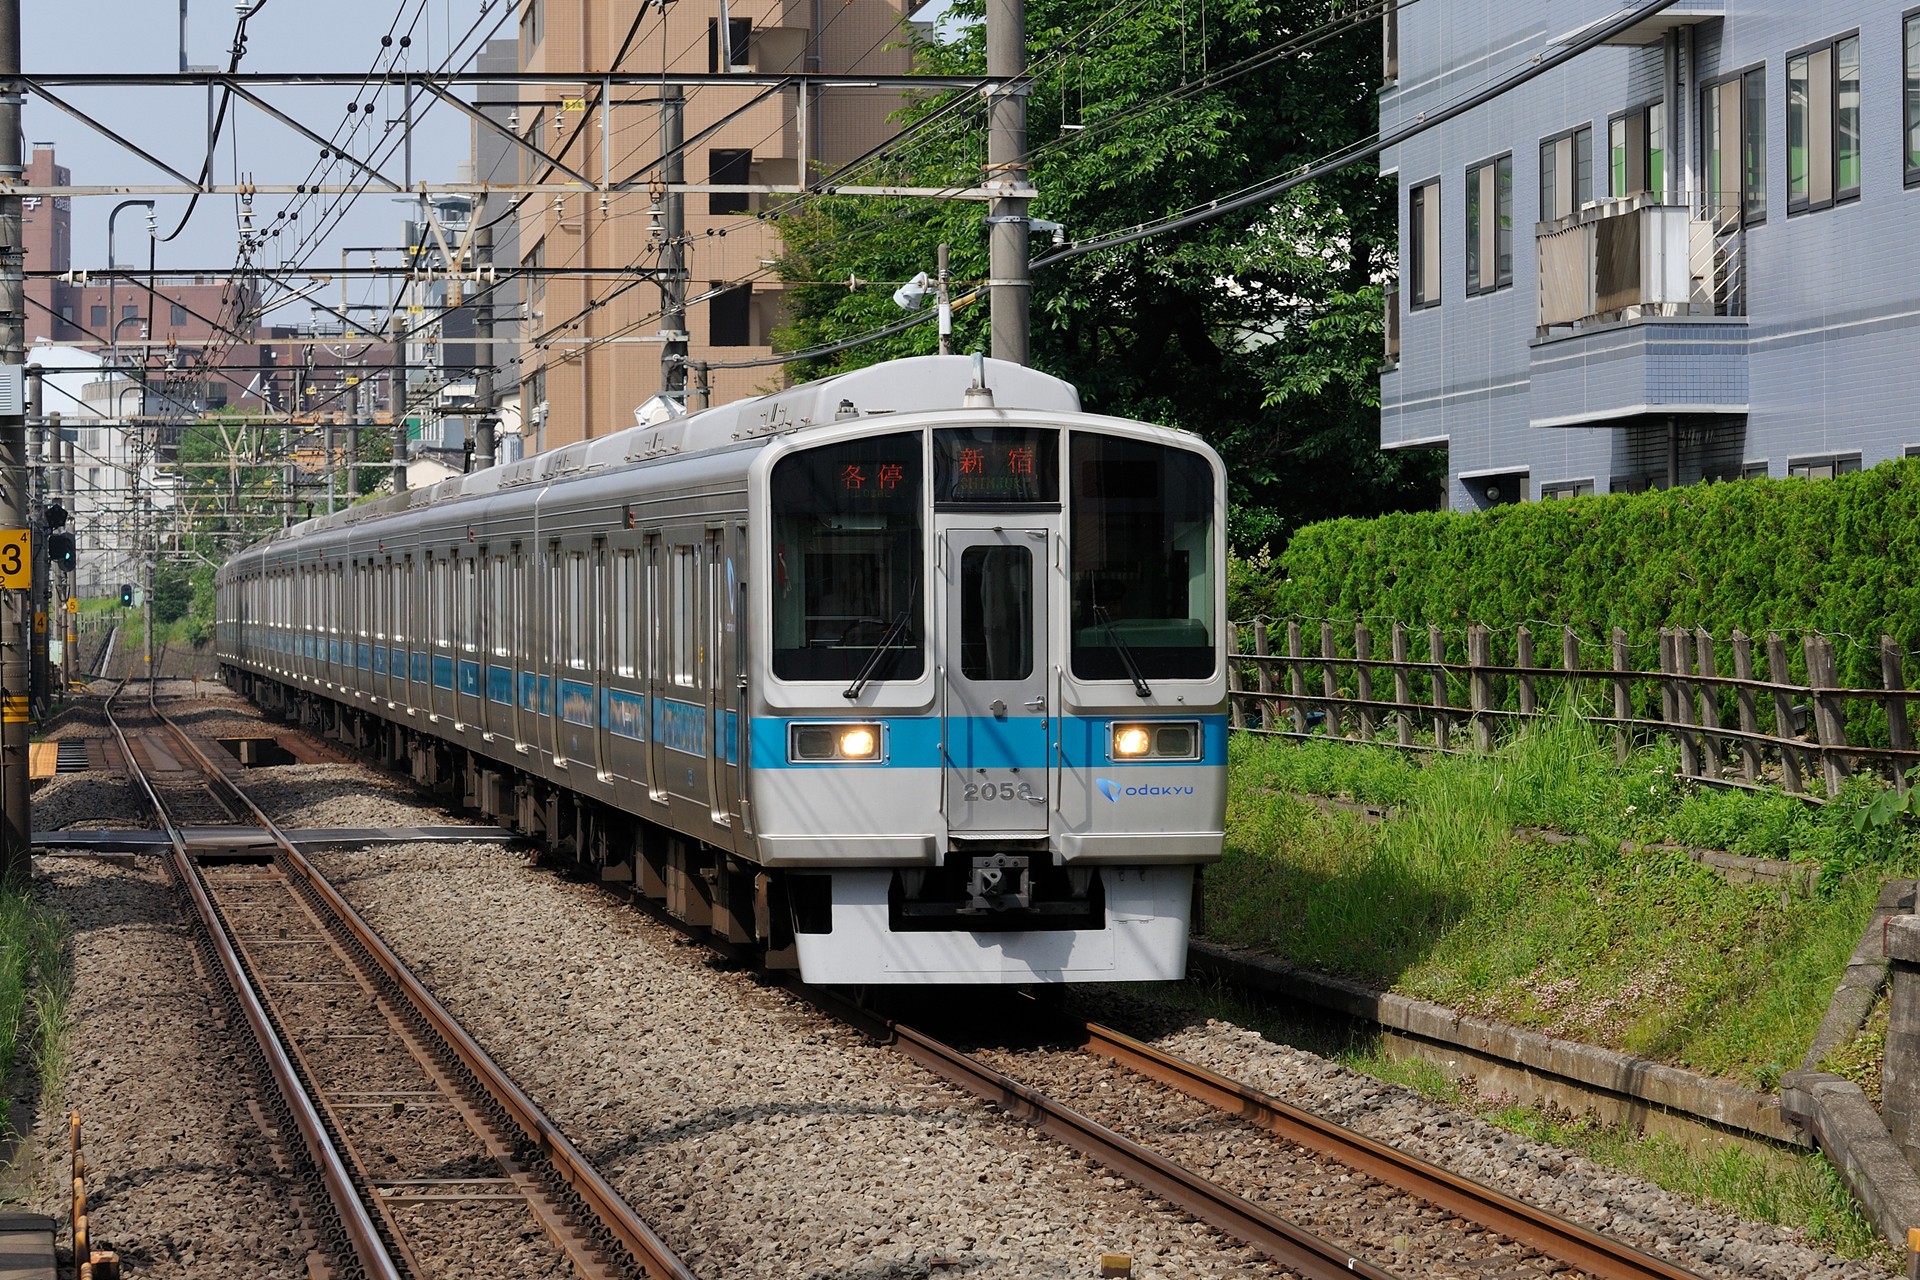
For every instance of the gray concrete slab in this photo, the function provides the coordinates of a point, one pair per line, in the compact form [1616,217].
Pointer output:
[26,1247]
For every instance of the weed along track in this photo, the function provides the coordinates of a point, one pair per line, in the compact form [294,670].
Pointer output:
[419,1157]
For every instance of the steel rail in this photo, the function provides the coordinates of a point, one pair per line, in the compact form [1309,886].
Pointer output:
[626,1226]
[1287,1243]
[1537,1228]
[354,1218]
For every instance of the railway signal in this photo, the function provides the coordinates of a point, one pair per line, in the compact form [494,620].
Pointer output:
[126,595]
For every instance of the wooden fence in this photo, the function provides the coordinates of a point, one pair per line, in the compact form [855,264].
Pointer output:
[1789,727]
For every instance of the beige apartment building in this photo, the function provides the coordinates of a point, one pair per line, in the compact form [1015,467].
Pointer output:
[590,386]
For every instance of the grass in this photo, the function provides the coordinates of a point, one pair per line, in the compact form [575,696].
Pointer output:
[1643,952]
[36,987]
[1786,1188]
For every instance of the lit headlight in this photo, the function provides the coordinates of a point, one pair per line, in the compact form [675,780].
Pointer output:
[1158,740]
[828,743]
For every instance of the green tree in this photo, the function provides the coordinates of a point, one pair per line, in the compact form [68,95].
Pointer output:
[1260,330]
[172,593]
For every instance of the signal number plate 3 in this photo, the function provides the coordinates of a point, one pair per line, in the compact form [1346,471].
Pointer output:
[972,792]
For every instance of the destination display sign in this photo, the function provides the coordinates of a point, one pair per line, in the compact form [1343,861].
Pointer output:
[996,466]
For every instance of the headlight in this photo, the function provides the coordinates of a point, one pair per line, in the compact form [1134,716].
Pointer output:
[827,743]
[1156,740]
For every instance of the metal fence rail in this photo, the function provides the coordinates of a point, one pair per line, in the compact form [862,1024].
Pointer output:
[1765,723]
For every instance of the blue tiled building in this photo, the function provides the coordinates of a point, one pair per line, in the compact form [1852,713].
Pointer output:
[1690,252]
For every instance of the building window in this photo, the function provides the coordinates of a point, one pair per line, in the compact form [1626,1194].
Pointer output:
[1566,173]
[739,42]
[1823,124]
[1824,468]
[531,27]
[131,311]
[1423,245]
[176,314]
[1490,225]
[1551,490]
[1733,138]
[1390,44]
[1637,152]
[97,317]
[728,168]
[533,266]
[1753,470]
[730,317]
[66,315]
[1910,63]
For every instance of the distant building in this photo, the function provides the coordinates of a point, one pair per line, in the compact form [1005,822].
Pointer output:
[137,318]
[1682,256]
[590,352]
[118,477]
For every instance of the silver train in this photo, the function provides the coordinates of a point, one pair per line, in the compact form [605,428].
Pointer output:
[910,675]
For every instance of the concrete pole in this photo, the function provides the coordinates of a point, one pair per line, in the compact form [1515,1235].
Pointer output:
[16,815]
[943,294]
[63,485]
[1010,285]
[485,422]
[37,691]
[353,438]
[398,395]
[673,255]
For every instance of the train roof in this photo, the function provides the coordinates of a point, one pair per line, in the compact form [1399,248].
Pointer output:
[910,385]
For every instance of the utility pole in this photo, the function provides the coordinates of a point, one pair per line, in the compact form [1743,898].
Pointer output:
[673,254]
[944,298]
[37,692]
[485,422]
[16,817]
[398,395]
[353,436]
[1010,260]
[60,486]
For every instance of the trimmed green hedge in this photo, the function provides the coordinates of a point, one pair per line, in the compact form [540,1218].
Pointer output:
[1841,557]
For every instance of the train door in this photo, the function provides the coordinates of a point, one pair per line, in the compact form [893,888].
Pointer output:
[718,643]
[656,667]
[469,702]
[516,616]
[994,583]
[682,711]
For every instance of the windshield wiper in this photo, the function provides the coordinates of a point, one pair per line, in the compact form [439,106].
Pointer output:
[880,651]
[1105,619]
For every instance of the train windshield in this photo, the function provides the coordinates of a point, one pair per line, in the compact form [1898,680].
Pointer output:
[1142,548]
[847,561]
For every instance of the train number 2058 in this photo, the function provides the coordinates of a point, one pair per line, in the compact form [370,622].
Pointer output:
[972,791]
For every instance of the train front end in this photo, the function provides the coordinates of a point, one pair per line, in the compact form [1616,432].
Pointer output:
[988,704]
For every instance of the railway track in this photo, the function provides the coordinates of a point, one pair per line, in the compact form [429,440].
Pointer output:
[1455,1198]
[419,1156]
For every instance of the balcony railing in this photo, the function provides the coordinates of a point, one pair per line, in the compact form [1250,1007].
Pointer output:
[1639,259]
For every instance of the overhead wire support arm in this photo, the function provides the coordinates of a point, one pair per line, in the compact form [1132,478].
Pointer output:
[111,134]
[326,144]
[511,136]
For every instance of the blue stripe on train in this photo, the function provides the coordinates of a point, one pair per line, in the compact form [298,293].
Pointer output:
[913,742]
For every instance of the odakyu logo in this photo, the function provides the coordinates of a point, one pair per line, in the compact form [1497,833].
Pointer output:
[1113,790]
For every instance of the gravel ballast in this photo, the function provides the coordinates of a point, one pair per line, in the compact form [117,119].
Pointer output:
[180,1178]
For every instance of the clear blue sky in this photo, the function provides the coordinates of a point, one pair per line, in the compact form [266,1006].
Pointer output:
[286,35]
